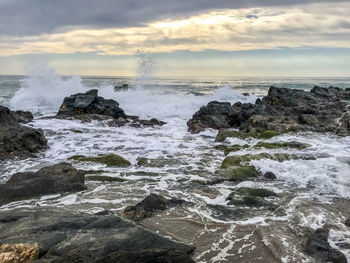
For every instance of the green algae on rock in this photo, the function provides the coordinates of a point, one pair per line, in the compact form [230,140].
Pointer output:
[251,197]
[110,160]
[231,148]
[158,163]
[238,173]
[229,133]
[282,145]
[237,160]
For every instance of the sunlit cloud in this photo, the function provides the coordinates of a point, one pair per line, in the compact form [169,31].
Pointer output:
[313,25]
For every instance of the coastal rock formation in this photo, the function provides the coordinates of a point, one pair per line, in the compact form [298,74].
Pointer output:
[319,248]
[64,236]
[54,179]
[282,110]
[89,103]
[16,139]
[89,106]
[18,253]
[123,87]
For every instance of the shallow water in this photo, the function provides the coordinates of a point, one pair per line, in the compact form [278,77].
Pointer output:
[193,158]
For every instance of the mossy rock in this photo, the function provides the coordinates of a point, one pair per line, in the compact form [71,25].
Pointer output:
[224,133]
[249,200]
[110,160]
[237,160]
[259,192]
[104,178]
[158,163]
[231,148]
[238,173]
[282,145]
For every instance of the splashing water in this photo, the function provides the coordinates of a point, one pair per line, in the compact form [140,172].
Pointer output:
[44,90]
[145,69]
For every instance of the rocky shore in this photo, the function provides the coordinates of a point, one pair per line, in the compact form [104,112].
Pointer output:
[155,227]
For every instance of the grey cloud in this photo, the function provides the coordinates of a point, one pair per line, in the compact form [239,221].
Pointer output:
[33,17]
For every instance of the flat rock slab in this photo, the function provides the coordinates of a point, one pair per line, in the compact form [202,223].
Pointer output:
[64,236]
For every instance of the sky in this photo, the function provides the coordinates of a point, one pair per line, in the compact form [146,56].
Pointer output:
[191,38]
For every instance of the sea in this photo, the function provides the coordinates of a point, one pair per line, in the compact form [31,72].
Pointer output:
[309,190]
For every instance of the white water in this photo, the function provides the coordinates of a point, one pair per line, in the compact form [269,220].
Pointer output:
[319,179]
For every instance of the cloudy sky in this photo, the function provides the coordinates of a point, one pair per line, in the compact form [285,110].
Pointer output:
[184,37]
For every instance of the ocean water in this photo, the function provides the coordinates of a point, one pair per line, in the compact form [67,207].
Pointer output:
[193,156]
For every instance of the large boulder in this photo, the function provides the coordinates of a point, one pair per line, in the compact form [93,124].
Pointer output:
[89,103]
[64,236]
[282,110]
[16,139]
[54,179]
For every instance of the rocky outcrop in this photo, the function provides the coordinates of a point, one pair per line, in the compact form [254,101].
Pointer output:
[282,110]
[89,103]
[89,106]
[65,237]
[319,248]
[54,179]
[16,139]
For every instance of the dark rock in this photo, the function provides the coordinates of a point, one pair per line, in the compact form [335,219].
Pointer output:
[319,248]
[64,236]
[23,116]
[16,139]
[123,87]
[54,179]
[89,103]
[146,207]
[270,175]
[282,110]
[347,222]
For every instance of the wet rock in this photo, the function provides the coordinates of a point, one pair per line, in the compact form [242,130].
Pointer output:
[18,253]
[236,160]
[89,103]
[16,139]
[160,162]
[215,115]
[319,248]
[102,178]
[54,179]
[123,87]
[282,110]
[231,148]
[247,196]
[282,145]
[110,160]
[23,116]
[64,236]
[146,207]
[347,222]
[238,173]
[270,175]
[223,134]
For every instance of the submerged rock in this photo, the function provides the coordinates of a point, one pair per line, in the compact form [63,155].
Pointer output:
[246,196]
[229,133]
[64,236]
[238,173]
[282,110]
[110,160]
[319,248]
[160,162]
[18,253]
[16,139]
[270,175]
[146,207]
[54,179]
